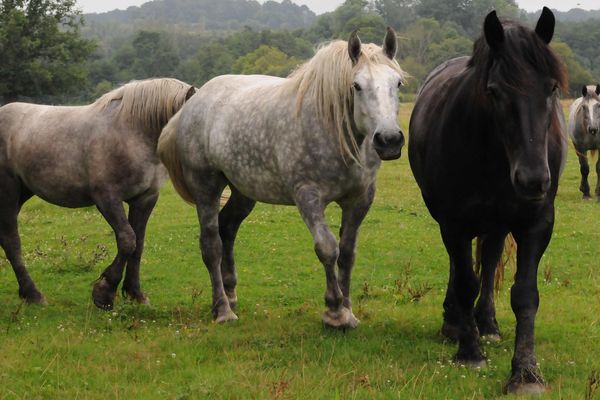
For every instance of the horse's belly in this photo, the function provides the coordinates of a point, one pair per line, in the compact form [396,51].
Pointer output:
[261,187]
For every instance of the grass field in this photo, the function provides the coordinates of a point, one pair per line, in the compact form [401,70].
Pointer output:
[279,349]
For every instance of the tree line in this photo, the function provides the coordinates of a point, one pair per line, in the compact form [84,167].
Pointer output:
[50,55]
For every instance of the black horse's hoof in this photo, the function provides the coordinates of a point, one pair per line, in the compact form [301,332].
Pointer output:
[34,297]
[525,389]
[103,294]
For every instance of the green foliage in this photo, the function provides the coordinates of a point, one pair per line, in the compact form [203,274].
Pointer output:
[578,76]
[265,60]
[42,51]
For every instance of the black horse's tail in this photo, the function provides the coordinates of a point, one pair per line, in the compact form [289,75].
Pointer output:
[508,257]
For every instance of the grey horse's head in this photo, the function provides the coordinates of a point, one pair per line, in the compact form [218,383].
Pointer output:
[376,103]
[590,109]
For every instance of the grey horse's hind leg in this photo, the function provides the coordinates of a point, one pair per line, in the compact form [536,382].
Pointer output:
[206,188]
[353,213]
[584,168]
[139,213]
[10,204]
[105,288]
[485,312]
[237,208]
[312,209]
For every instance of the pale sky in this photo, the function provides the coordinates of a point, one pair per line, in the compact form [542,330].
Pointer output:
[321,6]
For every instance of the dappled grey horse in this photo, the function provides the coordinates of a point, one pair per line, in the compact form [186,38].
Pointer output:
[316,137]
[584,126]
[100,154]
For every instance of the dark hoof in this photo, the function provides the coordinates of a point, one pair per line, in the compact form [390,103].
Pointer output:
[489,331]
[450,331]
[34,297]
[342,319]
[136,295]
[103,294]
[470,360]
[525,389]
[226,316]
[586,197]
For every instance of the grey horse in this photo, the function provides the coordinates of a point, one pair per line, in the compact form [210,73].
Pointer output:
[584,127]
[313,138]
[100,154]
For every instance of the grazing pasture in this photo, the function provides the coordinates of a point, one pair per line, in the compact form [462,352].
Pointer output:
[278,348]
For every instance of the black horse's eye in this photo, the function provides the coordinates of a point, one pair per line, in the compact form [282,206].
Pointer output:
[492,91]
[357,87]
[555,88]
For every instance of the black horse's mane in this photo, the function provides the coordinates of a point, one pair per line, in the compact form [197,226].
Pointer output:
[521,50]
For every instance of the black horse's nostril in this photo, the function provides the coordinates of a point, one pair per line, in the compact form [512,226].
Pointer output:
[401,138]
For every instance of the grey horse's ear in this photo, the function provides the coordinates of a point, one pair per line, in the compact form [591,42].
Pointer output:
[493,30]
[390,43]
[584,90]
[545,25]
[598,89]
[354,47]
[191,91]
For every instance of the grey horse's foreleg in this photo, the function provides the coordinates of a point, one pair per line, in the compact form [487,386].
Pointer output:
[353,213]
[237,208]
[312,209]
[105,288]
[139,213]
[584,168]
[524,300]
[492,247]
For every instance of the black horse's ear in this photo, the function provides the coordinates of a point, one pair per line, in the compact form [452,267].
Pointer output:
[493,30]
[545,25]
[584,90]
[354,47]
[191,91]
[390,43]
[598,89]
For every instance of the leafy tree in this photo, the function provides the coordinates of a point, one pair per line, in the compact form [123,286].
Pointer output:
[155,55]
[42,51]
[397,13]
[578,76]
[265,60]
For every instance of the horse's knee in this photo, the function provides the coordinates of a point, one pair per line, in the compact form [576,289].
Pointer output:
[127,242]
[326,248]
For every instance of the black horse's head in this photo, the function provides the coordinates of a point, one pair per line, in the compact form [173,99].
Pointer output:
[520,81]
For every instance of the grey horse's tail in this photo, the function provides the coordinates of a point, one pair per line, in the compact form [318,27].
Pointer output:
[508,258]
[167,152]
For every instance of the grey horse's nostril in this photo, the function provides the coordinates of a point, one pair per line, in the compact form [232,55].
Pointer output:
[379,140]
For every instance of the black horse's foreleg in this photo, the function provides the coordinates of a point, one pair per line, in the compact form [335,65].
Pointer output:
[598,178]
[105,289]
[466,286]
[492,247]
[531,244]
[584,168]
[353,213]
[139,213]
[312,210]
[237,208]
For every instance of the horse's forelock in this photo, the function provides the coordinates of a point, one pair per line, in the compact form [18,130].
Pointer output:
[147,104]
[327,80]
[521,51]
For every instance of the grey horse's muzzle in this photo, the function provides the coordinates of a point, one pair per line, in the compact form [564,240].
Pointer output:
[388,145]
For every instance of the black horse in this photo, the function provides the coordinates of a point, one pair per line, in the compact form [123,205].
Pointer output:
[487,147]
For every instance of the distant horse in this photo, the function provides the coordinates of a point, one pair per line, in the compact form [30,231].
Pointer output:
[487,147]
[316,137]
[103,154]
[584,130]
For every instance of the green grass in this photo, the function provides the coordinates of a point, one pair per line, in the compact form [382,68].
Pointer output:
[278,348]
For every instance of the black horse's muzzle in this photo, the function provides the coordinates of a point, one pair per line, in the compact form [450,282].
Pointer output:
[388,145]
[531,186]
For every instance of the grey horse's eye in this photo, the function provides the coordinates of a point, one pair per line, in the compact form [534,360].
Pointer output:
[399,84]
[357,87]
